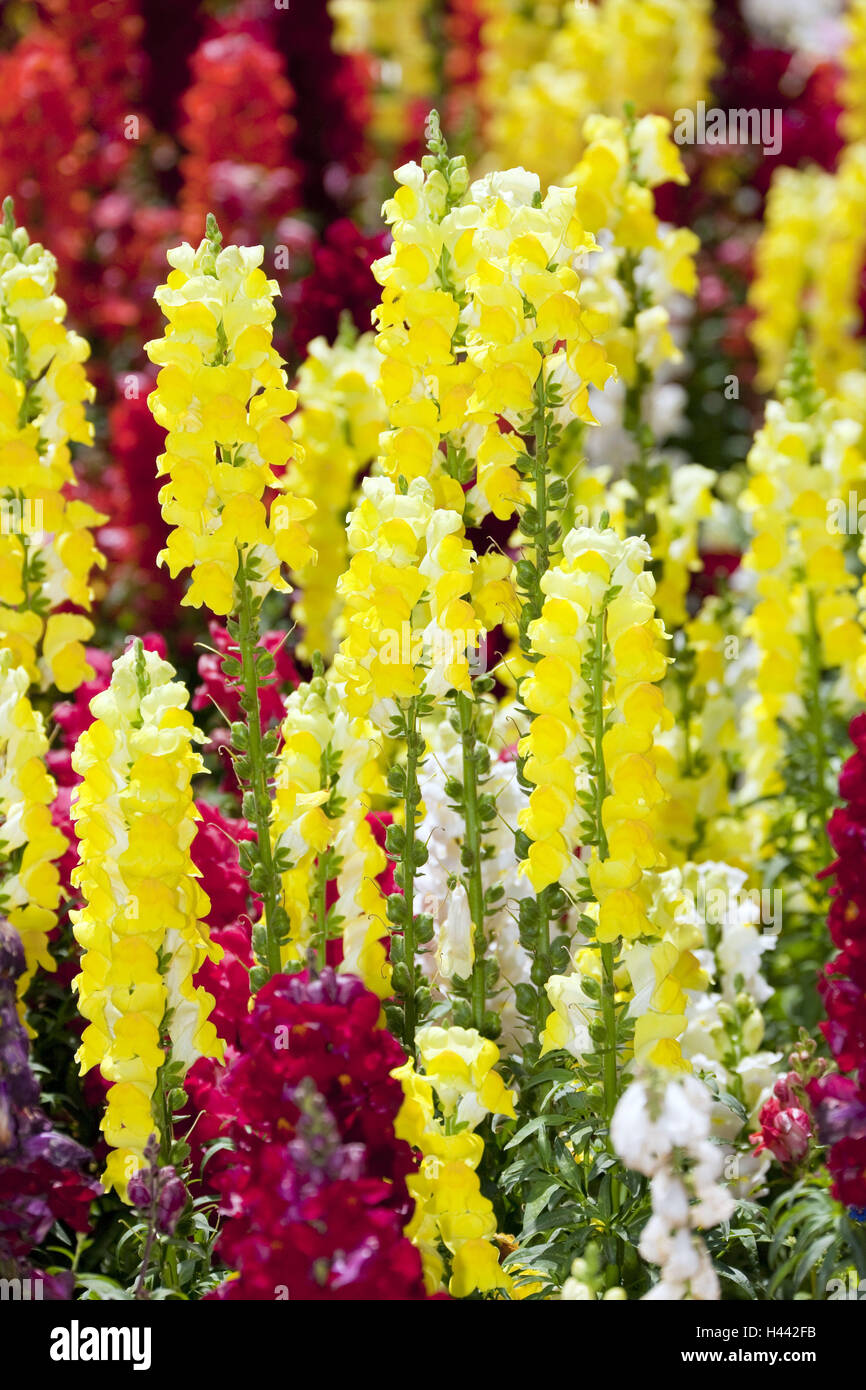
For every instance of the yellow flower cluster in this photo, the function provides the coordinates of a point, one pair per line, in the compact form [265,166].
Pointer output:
[621,166]
[573,1008]
[480,313]
[46,546]
[807,269]
[394,34]
[405,549]
[30,844]
[853,87]
[327,773]
[678,513]
[660,974]
[456,1071]
[652,979]
[141,928]
[657,54]
[339,419]
[579,615]
[595,691]
[835,317]
[636,283]
[221,394]
[802,472]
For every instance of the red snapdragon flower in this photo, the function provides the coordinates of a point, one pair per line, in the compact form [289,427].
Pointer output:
[840,1101]
[310,1103]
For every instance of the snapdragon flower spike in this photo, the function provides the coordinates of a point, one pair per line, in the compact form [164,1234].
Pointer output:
[448,1094]
[327,772]
[661,1127]
[412,623]
[588,761]
[337,424]
[634,285]
[839,1101]
[47,550]
[807,270]
[545,72]
[158,1191]
[311,1102]
[30,844]
[696,755]
[142,928]
[805,611]
[707,968]
[454,951]
[480,316]
[237,131]
[221,394]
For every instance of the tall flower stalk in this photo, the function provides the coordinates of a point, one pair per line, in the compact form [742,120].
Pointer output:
[141,928]
[804,617]
[221,393]
[47,550]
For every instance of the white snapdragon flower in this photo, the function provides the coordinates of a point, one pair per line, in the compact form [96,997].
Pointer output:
[661,1127]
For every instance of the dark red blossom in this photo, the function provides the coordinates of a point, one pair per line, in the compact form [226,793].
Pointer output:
[314,1198]
[840,1101]
[340,281]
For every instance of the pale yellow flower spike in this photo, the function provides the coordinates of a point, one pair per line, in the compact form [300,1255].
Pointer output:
[47,550]
[141,929]
[221,394]
[30,892]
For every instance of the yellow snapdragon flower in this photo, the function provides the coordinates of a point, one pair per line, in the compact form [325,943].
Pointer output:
[802,465]
[30,844]
[558,743]
[221,394]
[141,928]
[807,269]
[337,425]
[480,309]
[47,550]
[327,773]
[455,1068]
[544,74]
[409,619]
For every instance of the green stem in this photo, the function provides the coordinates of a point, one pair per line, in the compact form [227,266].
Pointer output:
[542,547]
[541,560]
[639,519]
[411,798]
[140,1291]
[608,952]
[248,637]
[472,855]
[321,932]
[165,1119]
